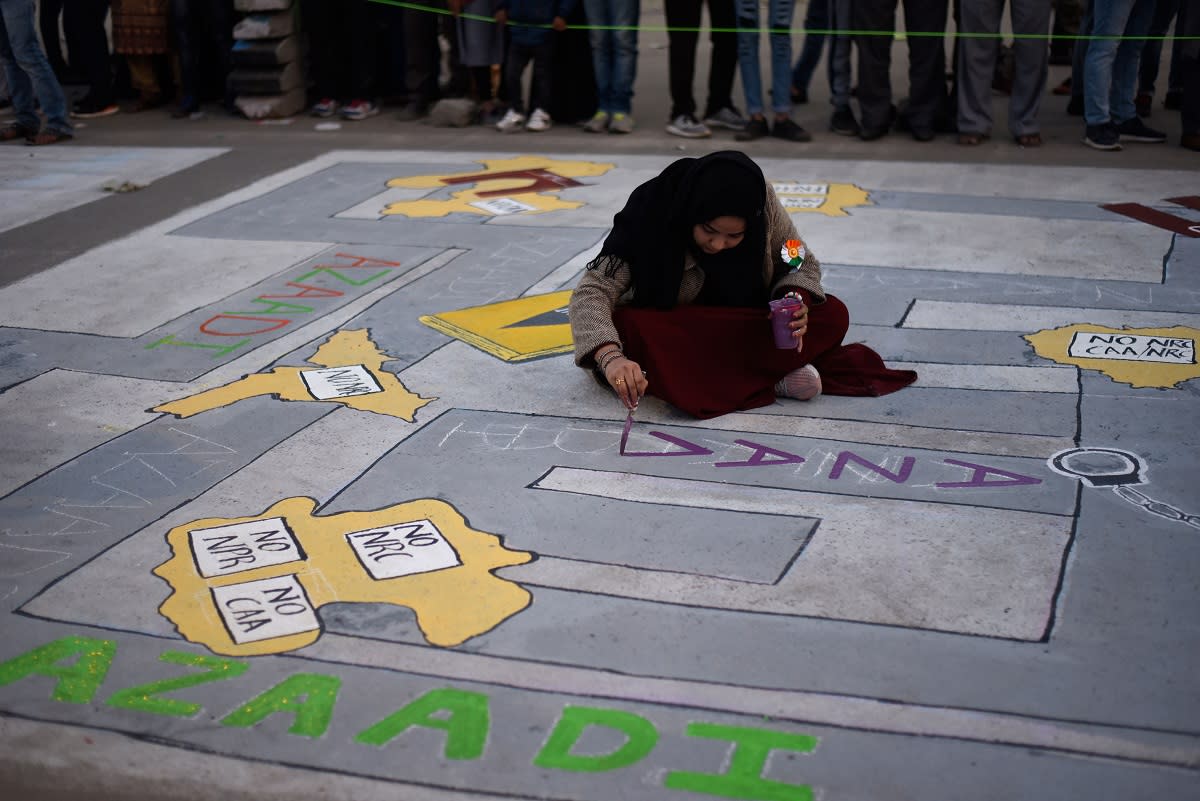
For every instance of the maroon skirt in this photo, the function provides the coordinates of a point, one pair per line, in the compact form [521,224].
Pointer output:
[712,360]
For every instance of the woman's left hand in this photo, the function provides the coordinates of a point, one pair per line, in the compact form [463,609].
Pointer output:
[799,325]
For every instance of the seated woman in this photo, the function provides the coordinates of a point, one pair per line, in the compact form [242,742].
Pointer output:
[675,304]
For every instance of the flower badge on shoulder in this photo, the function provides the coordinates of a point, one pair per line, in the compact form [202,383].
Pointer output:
[793,253]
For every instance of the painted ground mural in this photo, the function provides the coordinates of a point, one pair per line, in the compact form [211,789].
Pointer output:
[328,492]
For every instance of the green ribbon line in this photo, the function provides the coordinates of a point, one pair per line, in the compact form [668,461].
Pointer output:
[797,31]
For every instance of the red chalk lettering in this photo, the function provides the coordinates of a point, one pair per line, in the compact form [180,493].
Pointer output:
[307,291]
[333,271]
[760,456]
[274,306]
[981,472]
[221,350]
[359,261]
[278,323]
[906,467]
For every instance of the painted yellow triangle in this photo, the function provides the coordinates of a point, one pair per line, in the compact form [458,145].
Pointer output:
[495,327]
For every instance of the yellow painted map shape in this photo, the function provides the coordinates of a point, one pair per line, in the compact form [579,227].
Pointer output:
[1140,357]
[362,383]
[832,200]
[522,183]
[251,585]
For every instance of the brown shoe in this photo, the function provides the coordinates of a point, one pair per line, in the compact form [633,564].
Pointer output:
[48,138]
[15,131]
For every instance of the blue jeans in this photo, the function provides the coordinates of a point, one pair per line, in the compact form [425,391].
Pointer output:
[30,78]
[614,52]
[1111,67]
[817,18]
[779,14]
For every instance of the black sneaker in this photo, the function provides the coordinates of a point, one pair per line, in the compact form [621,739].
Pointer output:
[755,129]
[786,129]
[843,123]
[1134,130]
[1102,137]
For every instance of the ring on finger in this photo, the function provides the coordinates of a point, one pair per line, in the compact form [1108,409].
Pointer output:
[619,381]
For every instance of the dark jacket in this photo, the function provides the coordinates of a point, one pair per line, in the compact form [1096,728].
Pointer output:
[529,20]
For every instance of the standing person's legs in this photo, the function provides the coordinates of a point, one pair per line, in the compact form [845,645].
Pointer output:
[976,65]
[326,65]
[1108,23]
[780,13]
[1151,55]
[599,13]
[1125,65]
[49,13]
[1079,60]
[681,53]
[542,78]
[30,76]
[747,40]
[422,60]
[1030,19]
[816,18]
[185,49]
[365,19]
[625,15]
[1187,31]
[926,64]
[839,56]
[83,23]
[218,21]
[514,65]
[724,56]
[874,64]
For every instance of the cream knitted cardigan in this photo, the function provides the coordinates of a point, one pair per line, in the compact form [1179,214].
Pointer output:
[597,294]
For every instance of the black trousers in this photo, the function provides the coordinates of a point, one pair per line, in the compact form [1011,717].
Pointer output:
[87,41]
[342,36]
[514,66]
[203,36]
[422,53]
[681,63]
[1188,25]
[926,61]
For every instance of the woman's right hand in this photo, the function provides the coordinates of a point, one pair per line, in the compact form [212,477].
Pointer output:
[626,378]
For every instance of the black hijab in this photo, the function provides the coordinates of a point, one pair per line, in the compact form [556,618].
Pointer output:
[654,231]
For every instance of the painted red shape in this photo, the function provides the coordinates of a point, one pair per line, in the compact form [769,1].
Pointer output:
[206,326]
[539,181]
[1159,219]
[1188,202]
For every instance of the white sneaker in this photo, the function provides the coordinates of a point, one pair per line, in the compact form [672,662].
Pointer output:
[688,127]
[539,120]
[511,122]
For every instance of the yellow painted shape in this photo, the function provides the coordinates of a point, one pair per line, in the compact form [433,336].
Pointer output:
[1054,344]
[342,349]
[518,187]
[490,327]
[451,605]
[833,203]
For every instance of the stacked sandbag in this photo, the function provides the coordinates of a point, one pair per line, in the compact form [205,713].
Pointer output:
[267,78]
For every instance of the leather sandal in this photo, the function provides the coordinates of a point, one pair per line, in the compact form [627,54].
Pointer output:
[1029,140]
[48,138]
[972,138]
[15,131]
